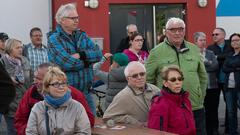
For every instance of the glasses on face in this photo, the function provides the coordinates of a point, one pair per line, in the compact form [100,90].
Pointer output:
[174,79]
[215,34]
[235,40]
[138,40]
[141,74]
[174,30]
[58,84]
[75,18]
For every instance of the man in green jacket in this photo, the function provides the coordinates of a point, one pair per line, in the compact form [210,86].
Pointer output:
[176,51]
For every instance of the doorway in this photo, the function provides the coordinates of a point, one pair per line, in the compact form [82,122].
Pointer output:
[149,18]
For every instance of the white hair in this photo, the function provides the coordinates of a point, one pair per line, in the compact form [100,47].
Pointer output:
[131,25]
[64,10]
[174,20]
[131,66]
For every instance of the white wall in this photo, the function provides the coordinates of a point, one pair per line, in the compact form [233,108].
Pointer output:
[19,16]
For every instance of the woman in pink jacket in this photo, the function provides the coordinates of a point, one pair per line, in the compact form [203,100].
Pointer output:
[171,109]
[134,52]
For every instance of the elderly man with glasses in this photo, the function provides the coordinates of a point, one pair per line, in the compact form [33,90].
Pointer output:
[177,51]
[131,105]
[72,50]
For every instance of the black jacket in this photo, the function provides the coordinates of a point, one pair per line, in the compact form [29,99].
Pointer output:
[124,44]
[232,64]
[7,89]
[221,56]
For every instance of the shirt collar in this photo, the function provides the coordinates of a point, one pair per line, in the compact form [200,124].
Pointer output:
[137,91]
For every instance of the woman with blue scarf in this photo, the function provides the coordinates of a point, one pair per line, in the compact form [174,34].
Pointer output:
[58,113]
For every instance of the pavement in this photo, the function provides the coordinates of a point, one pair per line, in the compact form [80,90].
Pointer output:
[221,113]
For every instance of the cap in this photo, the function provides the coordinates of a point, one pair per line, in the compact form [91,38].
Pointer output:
[3,36]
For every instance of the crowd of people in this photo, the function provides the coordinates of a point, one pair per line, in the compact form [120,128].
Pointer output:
[174,87]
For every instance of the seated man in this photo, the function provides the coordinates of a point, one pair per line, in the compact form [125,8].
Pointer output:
[34,94]
[131,105]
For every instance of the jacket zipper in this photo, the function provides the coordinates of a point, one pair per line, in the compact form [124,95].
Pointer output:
[161,123]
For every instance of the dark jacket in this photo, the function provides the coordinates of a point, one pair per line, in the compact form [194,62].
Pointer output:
[172,113]
[32,96]
[221,56]
[124,44]
[232,64]
[7,89]
[211,66]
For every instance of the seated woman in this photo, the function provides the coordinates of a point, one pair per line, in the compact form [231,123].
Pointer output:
[18,69]
[171,109]
[134,52]
[114,79]
[58,113]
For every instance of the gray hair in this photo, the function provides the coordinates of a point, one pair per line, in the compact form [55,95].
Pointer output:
[196,35]
[64,10]
[132,65]
[221,29]
[131,25]
[174,20]
[9,44]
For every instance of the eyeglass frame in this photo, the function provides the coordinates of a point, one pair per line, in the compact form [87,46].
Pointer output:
[58,84]
[74,18]
[175,30]
[135,76]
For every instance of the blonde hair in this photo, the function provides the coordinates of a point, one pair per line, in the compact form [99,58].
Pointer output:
[9,44]
[165,71]
[52,72]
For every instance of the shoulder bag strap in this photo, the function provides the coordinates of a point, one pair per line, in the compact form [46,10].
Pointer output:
[47,121]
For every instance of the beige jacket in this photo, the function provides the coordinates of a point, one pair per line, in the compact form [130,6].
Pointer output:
[131,105]
[69,119]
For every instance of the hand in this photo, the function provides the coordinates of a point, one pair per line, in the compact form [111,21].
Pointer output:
[107,55]
[76,55]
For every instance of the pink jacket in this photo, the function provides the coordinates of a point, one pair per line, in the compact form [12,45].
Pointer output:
[133,57]
[172,113]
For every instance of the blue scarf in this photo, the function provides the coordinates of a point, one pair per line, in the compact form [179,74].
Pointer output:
[56,102]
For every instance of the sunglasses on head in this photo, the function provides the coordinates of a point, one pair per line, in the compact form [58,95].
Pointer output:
[174,79]
[141,74]
[215,34]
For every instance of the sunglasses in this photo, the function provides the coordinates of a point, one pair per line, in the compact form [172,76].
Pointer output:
[215,34]
[174,79]
[133,32]
[58,84]
[141,74]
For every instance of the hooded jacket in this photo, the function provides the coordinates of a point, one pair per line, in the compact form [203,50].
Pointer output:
[172,113]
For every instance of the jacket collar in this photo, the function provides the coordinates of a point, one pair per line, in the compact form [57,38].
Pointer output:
[137,91]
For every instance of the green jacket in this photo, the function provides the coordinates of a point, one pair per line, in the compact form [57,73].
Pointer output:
[189,61]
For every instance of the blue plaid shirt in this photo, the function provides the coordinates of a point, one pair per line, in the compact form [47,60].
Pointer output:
[79,71]
[35,55]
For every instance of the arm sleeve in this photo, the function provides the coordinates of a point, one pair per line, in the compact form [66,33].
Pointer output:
[102,75]
[22,114]
[158,118]
[214,65]
[151,68]
[57,54]
[32,123]
[227,67]
[202,78]
[82,124]
[116,112]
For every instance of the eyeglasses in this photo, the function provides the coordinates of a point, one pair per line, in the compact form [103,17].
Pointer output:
[215,34]
[174,79]
[75,18]
[58,84]
[235,40]
[174,30]
[141,74]
[138,40]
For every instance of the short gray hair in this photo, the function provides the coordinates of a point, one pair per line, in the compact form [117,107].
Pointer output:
[174,20]
[196,35]
[130,25]
[9,44]
[64,10]
[132,65]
